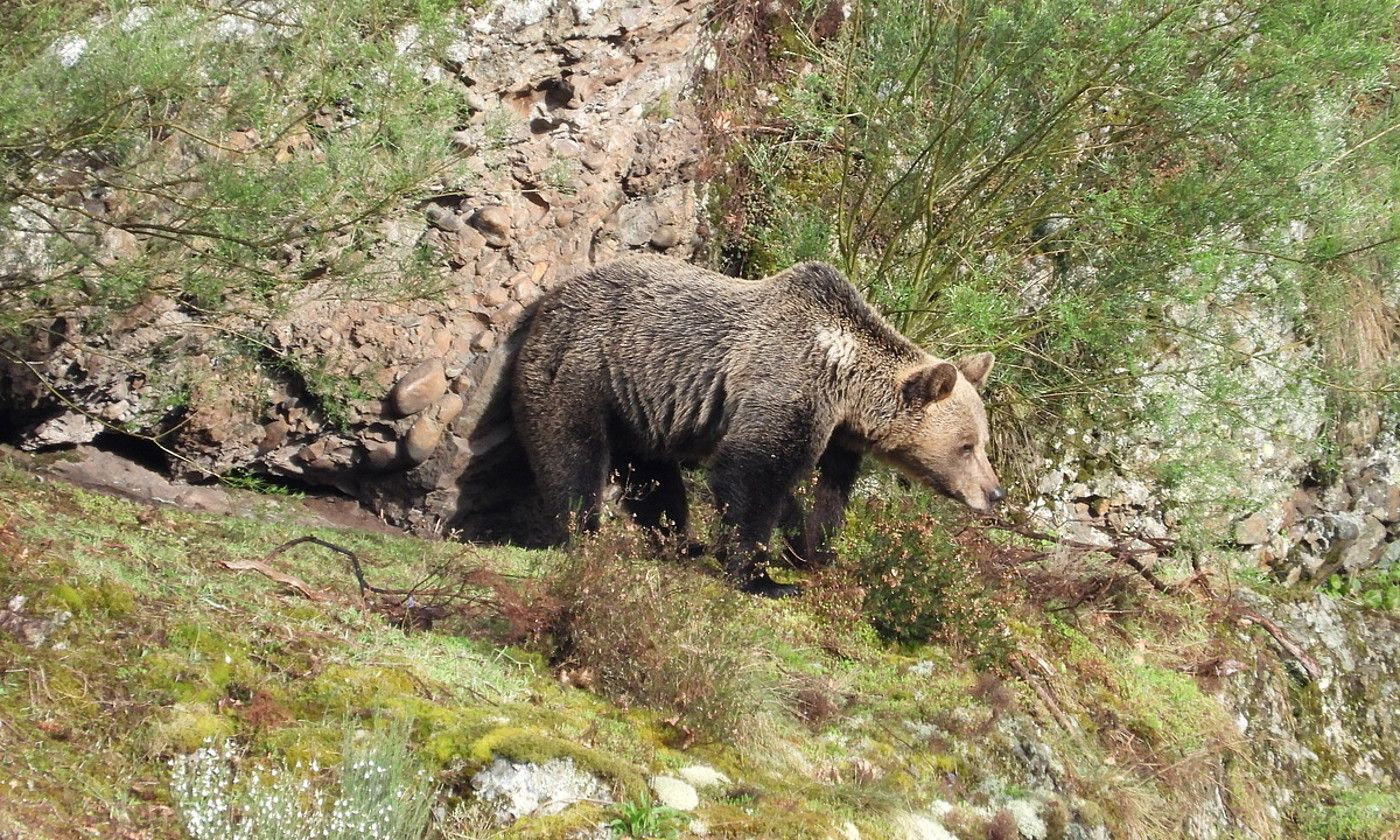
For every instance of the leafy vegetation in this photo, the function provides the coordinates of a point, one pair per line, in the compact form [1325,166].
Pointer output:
[1088,188]
[1377,588]
[917,582]
[643,818]
[224,156]
[1356,815]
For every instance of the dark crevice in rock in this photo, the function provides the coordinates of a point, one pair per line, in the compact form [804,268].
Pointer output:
[138,450]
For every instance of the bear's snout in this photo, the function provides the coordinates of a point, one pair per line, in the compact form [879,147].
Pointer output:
[996,494]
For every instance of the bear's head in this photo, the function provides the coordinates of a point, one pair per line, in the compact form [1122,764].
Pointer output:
[939,433]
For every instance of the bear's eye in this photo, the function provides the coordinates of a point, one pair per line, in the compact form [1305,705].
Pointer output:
[967,448]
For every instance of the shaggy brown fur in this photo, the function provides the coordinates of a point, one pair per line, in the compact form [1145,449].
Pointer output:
[645,363]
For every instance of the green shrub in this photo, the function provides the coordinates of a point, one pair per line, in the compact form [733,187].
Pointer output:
[918,583]
[1082,185]
[240,154]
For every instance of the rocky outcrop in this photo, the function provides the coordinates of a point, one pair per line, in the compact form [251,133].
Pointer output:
[1334,728]
[580,145]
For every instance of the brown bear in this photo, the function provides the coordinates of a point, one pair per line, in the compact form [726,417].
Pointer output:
[640,365]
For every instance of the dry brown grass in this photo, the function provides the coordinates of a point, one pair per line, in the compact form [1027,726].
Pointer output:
[664,636]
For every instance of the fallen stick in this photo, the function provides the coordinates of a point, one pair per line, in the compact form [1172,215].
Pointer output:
[283,578]
[1066,722]
[355,567]
[1308,664]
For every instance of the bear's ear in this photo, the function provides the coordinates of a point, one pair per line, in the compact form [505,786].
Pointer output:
[929,384]
[976,368]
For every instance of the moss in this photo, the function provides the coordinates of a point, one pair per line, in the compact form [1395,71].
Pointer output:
[577,820]
[345,689]
[778,818]
[519,744]
[73,600]
[185,727]
[318,741]
[107,598]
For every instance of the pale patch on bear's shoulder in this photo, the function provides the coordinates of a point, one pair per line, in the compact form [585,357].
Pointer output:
[839,346]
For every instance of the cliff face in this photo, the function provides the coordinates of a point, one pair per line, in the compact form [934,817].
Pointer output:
[578,141]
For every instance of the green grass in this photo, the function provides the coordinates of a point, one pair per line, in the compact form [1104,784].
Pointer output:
[1355,815]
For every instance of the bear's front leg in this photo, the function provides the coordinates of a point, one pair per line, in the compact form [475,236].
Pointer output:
[837,471]
[752,475]
[808,533]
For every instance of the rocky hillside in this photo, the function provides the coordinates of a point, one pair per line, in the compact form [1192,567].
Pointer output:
[135,634]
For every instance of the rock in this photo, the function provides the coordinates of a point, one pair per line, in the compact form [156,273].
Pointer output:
[418,388]
[1028,821]
[380,454]
[1390,558]
[484,341]
[519,789]
[464,141]
[526,292]
[444,219]
[674,793]
[1304,503]
[702,776]
[1385,500]
[274,435]
[447,408]
[97,469]
[1365,551]
[28,629]
[507,314]
[422,438]
[666,236]
[1253,529]
[118,244]
[467,245]
[67,428]
[595,159]
[473,100]
[495,297]
[636,222]
[914,826]
[1343,528]
[492,220]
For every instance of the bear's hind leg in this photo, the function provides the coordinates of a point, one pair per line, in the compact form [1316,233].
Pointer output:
[571,469]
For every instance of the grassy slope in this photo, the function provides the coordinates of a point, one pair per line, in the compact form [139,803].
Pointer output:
[166,649]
